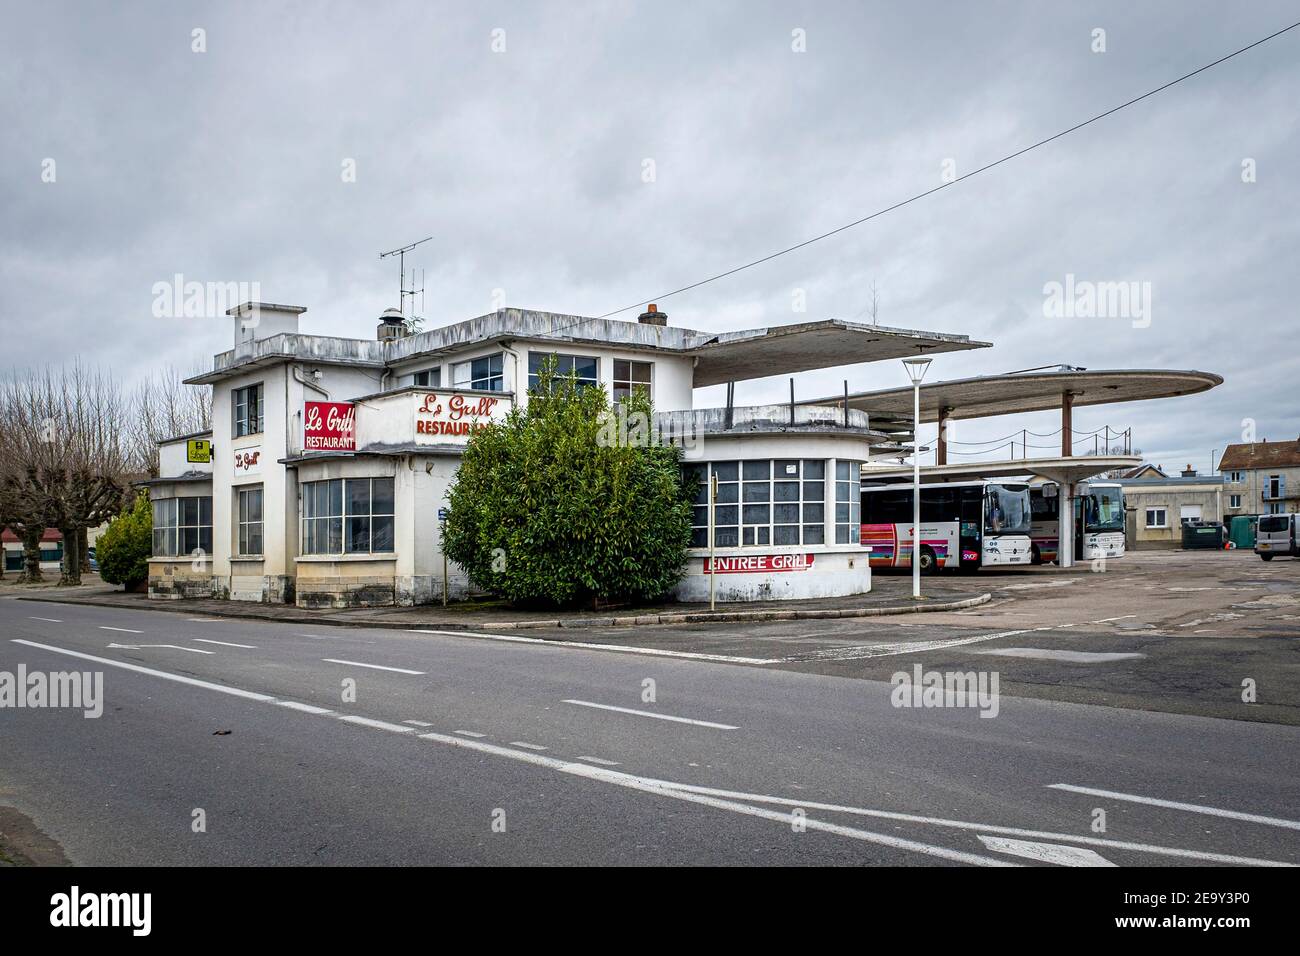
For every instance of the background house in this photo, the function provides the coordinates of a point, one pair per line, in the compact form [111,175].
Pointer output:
[1261,477]
[1157,507]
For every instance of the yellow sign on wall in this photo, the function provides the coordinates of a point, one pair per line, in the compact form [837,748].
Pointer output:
[198,450]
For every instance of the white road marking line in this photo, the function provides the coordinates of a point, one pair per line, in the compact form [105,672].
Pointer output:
[624,649]
[1175,805]
[321,637]
[663,788]
[469,733]
[202,640]
[649,713]
[967,825]
[1107,620]
[521,743]
[867,651]
[305,708]
[603,763]
[126,665]
[204,620]
[124,630]
[418,723]
[377,724]
[1046,852]
[175,647]
[52,620]
[1073,657]
[378,667]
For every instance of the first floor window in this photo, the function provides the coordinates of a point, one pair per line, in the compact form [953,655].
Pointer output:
[585,367]
[247,411]
[429,378]
[631,376]
[1234,501]
[182,526]
[1236,476]
[1157,518]
[348,516]
[250,522]
[765,503]
[482,373]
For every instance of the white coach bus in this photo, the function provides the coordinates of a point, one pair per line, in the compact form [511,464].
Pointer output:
[1098,521]
[964,524]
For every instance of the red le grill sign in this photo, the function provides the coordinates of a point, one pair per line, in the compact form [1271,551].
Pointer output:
[329,426]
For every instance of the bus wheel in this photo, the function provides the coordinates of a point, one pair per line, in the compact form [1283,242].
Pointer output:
[928,563]
[1035,556]
[1266,557]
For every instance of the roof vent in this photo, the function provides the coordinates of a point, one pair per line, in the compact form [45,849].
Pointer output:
[392,325]
[652,316]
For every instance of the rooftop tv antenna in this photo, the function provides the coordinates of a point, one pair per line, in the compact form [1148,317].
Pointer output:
[403,291]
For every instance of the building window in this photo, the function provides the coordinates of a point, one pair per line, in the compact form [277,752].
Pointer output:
[1157,518]
[848,502]
[182,526]
[1273,487]
[1236,477]
[483,373]
[765,503]
[429,378]
[247,410]
[249,513]
[629,375]
[348,516]
[585,367]
[1234,501]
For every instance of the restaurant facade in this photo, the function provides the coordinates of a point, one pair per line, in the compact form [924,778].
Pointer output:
[329,460]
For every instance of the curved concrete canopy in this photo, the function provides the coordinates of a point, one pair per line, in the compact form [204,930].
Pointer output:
[1019,392]
[1063,470]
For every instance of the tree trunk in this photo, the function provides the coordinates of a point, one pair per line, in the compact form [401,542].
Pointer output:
[32,557]
[71,573]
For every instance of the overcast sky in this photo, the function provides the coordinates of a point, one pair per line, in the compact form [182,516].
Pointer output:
[528,166]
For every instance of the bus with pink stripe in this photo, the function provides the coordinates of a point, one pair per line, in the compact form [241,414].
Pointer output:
[964,524]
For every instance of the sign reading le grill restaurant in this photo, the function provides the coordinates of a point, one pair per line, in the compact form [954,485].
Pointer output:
[329,426]
[440,417]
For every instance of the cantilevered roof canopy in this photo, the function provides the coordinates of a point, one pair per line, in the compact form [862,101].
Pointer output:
[1064,470]
[755,353]
[1019,392]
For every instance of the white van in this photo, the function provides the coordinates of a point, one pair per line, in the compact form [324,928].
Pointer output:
[1277,534]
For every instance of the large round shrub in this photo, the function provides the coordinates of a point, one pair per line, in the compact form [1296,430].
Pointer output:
[559,505]
[124,548]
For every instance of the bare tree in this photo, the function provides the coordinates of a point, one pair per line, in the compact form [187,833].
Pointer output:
[163,406]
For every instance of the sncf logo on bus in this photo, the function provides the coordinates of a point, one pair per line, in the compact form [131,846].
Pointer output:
[454,415]
[758,563]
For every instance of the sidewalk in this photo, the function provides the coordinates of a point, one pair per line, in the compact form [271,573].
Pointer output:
[891,594]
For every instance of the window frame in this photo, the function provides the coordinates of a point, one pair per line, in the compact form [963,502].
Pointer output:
[740,496]
[584,381]
[171,527]
[244,525]
[628,384]
[252,422]
[1164,517]
[311,521]
[494,375]
[432,377]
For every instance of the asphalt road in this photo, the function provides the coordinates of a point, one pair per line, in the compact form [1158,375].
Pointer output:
[475,750]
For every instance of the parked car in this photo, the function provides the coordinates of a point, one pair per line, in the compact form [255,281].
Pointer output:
[1278,534]
[90,554]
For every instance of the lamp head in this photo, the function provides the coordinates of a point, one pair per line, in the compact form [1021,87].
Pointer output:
[916,368]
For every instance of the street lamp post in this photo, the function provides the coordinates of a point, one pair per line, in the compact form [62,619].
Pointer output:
[916,369]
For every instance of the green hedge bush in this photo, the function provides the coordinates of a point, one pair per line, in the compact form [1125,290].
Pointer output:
[124,548]
[546,509]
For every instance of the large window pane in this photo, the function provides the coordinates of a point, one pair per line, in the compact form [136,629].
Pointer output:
[358,496]
[381,501]
[381,538]
[358,534]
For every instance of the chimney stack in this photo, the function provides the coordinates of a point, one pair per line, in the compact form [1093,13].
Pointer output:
[1189,471]
[652,316]
[392,326]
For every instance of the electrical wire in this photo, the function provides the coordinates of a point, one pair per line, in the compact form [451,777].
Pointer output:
[929,192]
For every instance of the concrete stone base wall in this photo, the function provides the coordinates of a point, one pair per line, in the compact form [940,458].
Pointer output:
[172,581]
[834,573]
[259,588]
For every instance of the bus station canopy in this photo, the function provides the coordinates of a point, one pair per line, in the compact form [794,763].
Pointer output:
[1016,393]
[1066,471]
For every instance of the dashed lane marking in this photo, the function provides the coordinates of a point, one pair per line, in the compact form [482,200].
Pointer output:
[650,713]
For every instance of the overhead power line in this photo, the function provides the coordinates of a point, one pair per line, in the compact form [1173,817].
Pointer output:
[930,192]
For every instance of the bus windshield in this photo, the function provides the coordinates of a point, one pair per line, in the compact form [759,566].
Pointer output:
[1006,509]
[1103,510]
